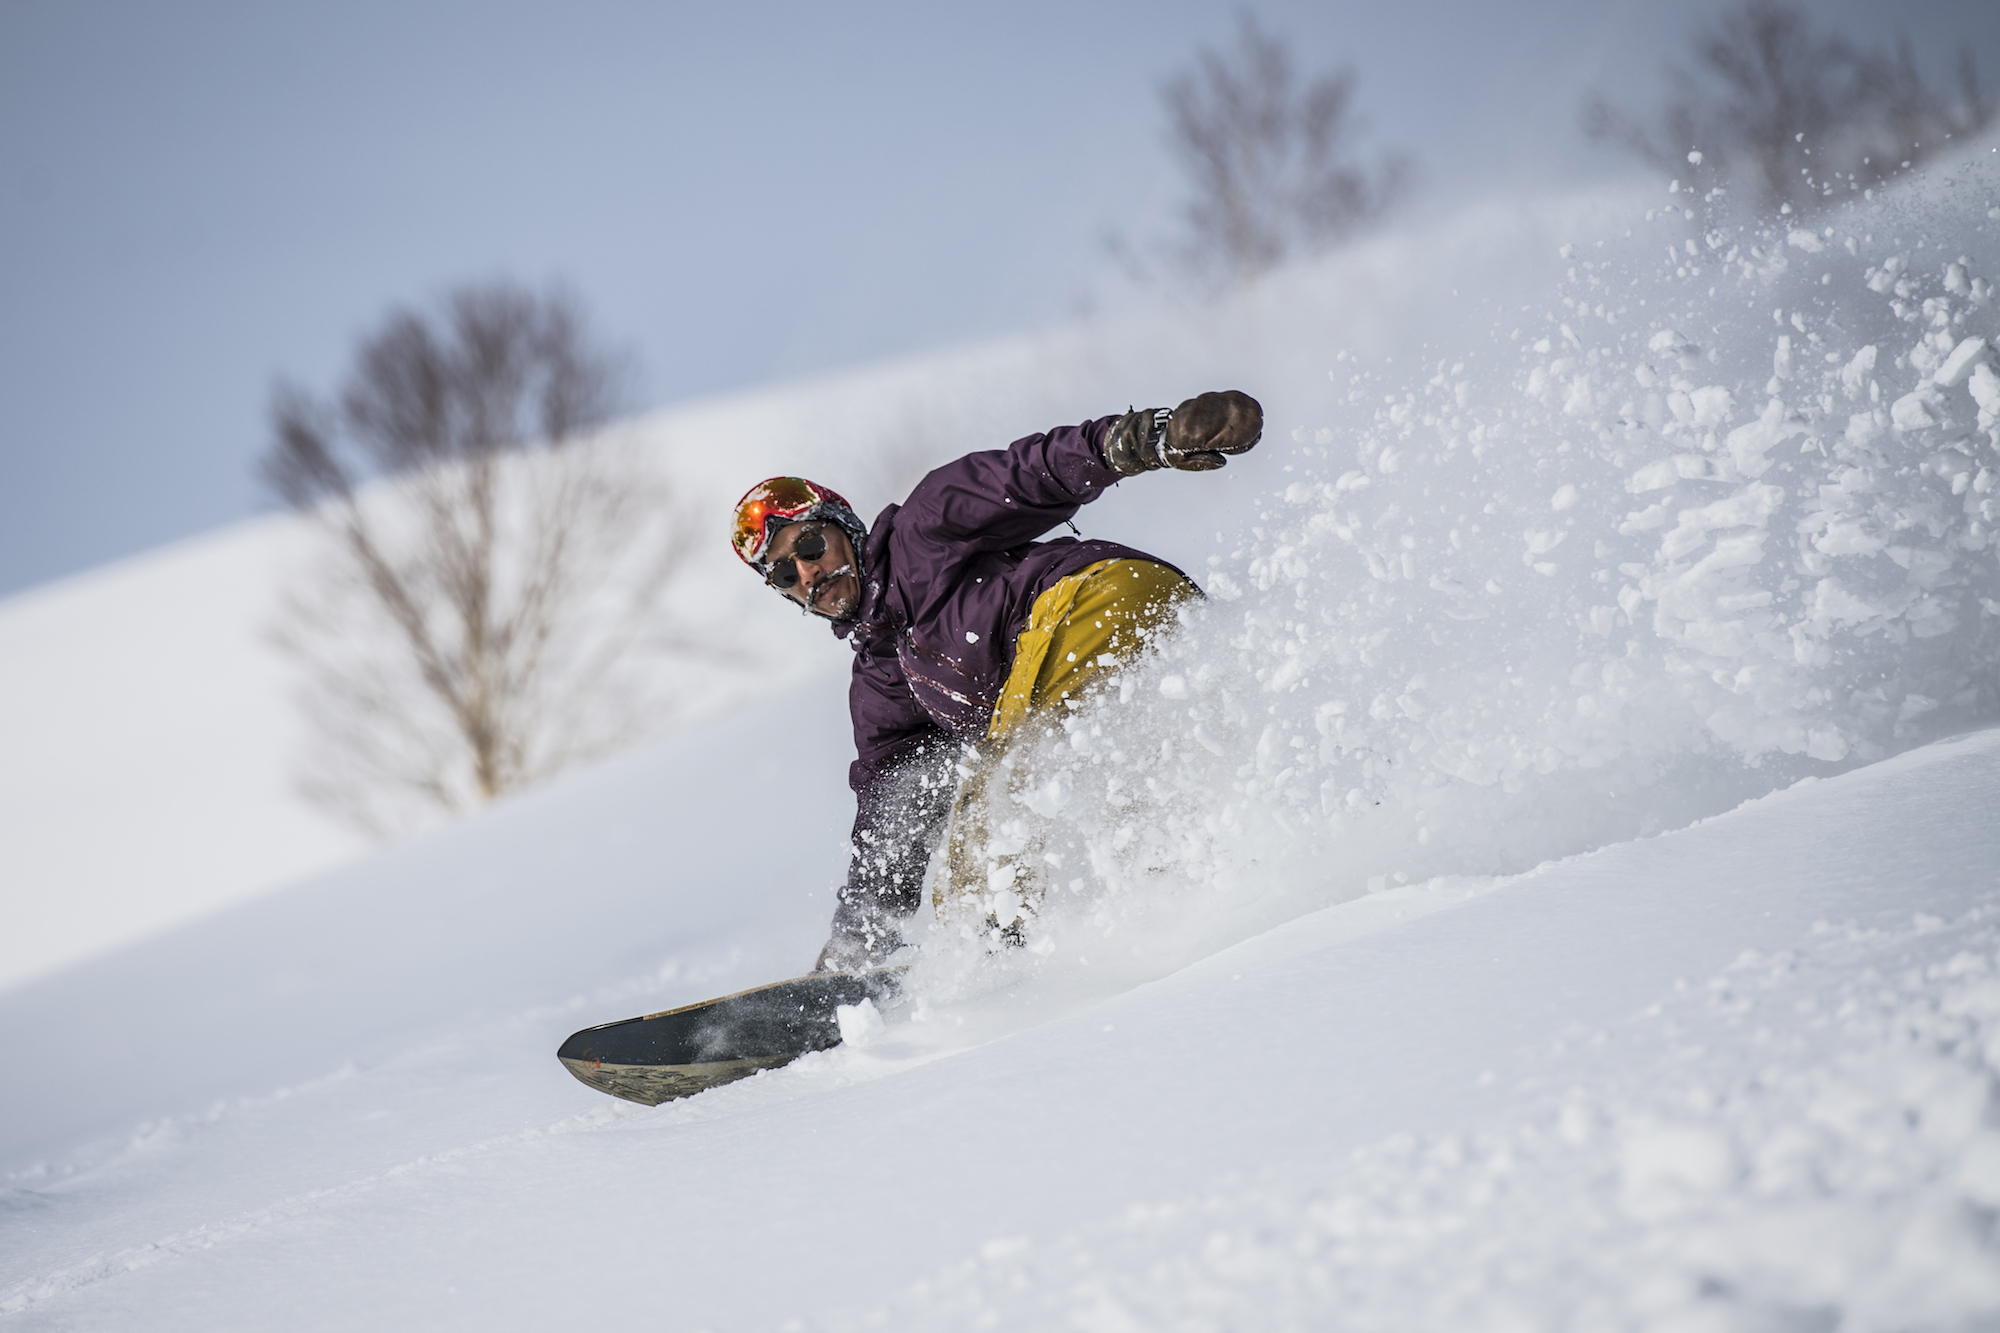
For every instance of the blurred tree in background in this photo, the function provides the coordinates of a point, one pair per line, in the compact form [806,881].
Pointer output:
[491,573]
[1269,160]
[1801,117]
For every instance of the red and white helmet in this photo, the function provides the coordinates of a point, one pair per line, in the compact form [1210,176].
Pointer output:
[773,503]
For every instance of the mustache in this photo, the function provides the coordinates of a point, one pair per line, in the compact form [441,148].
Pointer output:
[812,593]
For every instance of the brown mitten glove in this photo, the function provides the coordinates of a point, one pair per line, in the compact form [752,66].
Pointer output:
[1194,437]
[1205,428]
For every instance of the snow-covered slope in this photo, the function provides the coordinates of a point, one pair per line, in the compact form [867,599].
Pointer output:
[143,724]
[1367,988]
[1733,1074]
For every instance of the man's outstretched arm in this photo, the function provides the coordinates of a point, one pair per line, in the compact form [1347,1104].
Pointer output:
[998,499]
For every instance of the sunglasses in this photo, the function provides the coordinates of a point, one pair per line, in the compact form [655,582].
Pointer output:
[784,576]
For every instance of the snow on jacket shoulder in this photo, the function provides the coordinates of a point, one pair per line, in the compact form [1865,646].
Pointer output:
[951,575]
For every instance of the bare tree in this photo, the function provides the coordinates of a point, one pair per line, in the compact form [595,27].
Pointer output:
[1269,160]
[1801,117]
[491,572]
[1914,115]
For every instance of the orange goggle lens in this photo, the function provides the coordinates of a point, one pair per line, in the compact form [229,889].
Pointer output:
[779,498]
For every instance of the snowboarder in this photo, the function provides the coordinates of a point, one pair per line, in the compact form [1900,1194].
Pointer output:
[963,625]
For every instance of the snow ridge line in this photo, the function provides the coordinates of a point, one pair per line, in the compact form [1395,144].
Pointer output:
[41,1289]
[810,1075]
[677,980]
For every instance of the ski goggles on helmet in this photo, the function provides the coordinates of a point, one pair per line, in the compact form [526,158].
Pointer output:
[770,505]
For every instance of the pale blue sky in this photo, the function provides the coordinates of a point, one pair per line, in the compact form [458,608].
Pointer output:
[197,197]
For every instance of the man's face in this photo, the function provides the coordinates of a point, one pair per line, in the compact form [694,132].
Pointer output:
[827,585]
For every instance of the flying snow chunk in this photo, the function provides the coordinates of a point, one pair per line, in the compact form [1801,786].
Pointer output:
[1652,476]
[1713,406]
[1748,444]
[1854,375]
[1834,602]
[1985,388]
[860,1024]
[1048,799]
[1961,361]
[1910,413]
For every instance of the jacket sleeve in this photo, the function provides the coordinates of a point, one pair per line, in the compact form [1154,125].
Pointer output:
[898,819]
[998,499]
[903,779]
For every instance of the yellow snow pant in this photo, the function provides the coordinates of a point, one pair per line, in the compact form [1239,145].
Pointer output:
[1082,627]
[1078,631]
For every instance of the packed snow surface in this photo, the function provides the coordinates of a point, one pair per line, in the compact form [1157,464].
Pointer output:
[1737,1076]
[1550,883]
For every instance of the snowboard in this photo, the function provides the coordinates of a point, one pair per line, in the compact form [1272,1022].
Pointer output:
[680,1052]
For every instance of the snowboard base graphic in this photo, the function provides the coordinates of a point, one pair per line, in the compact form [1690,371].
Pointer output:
[680,1052]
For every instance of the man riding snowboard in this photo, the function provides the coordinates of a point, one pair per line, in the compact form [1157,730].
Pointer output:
[963,625]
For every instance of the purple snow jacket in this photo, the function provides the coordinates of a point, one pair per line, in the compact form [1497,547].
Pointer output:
[948,579]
